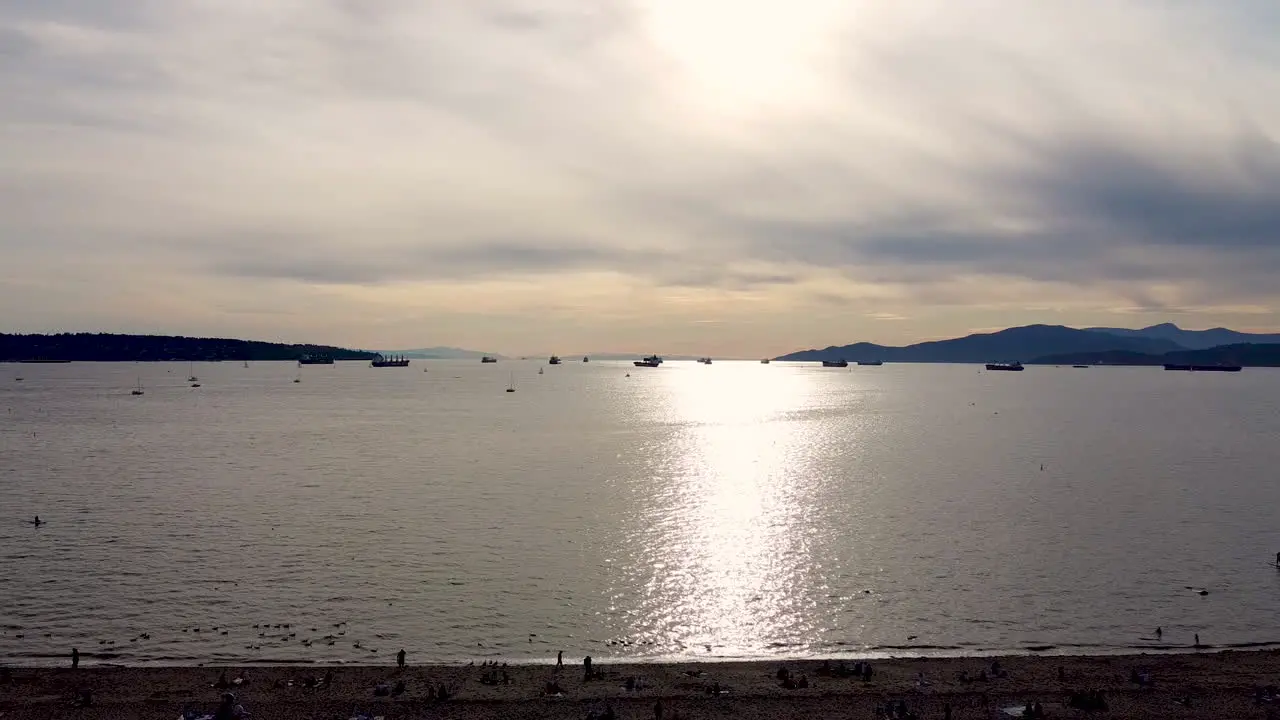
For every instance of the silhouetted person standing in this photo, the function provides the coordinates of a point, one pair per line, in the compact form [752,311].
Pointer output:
[560,659]
[1159,633]
[1197,639]
[400,658]
[586,668]
[75,658]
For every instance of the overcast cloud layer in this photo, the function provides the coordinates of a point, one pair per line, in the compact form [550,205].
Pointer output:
[733,177]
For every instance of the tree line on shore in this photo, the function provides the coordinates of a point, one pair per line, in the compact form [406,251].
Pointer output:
[108,347]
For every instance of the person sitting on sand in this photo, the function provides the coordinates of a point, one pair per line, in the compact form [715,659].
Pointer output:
[229,710]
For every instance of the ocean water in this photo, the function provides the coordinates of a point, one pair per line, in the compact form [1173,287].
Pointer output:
[736,510]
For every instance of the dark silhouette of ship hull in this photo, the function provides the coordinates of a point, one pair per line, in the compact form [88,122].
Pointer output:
[1202,368]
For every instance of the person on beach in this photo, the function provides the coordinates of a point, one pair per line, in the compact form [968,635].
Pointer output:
[586,668]
[1197,639]
[400,658]
[1159,633]
[559,659]
[75,658]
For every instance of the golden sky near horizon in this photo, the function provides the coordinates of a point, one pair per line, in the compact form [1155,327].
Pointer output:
[739,178]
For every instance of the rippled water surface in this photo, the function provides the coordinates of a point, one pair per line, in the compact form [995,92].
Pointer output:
[731,510]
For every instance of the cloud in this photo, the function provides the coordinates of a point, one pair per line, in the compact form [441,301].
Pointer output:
[804,160]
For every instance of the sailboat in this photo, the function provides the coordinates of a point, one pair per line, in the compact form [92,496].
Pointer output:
[137,390]
[539,371]
[192,372]
[512,386]
[298,379]
[246,364]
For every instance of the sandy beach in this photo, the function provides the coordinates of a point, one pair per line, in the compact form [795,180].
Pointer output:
[1202,685]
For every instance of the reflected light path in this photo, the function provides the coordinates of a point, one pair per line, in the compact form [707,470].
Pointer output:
[728,537]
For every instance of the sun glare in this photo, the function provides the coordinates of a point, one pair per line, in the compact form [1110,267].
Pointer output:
[745,51]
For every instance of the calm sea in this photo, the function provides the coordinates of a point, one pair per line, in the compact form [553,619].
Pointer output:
[736,510]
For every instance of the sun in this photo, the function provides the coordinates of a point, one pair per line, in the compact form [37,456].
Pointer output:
[746,51]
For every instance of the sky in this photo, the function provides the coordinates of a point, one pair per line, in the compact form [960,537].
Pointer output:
[725,177]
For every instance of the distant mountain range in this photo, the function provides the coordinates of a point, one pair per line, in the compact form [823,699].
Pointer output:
[627,356]
[440,353]
[106,347]
[1056,344]
[1192,339]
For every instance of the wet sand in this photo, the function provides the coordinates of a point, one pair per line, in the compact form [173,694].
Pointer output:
[1219,685]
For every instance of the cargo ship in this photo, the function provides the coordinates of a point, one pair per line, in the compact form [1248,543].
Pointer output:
[315,360]
[1203,368]
[1008,367]
[835,363]
[381,360]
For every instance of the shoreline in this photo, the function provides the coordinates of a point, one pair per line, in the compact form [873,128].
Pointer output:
[87,661]
[46,661]
[1217,684]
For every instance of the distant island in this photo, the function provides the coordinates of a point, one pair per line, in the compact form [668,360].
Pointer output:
[1060,345]
[105,347]
[1244,355]
[442,353]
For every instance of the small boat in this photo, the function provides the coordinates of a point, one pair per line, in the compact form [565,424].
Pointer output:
[195,385]
[651,361]
[511,386]
[553,360]
[1007,367]
[380,361]
[764,361]
[540,371]
[872,363]
[308,359]
[488,359]
[137,390]
[1080,367]
[1203,368]
[835,363]
[192,370]
[298,379]
[705,360]
[586,359]
[246,364]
